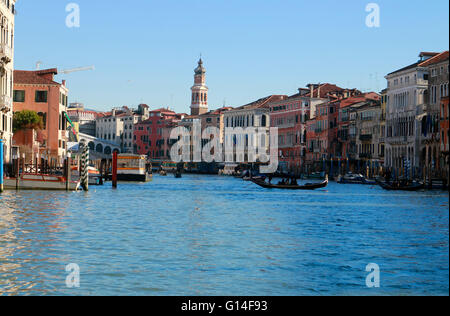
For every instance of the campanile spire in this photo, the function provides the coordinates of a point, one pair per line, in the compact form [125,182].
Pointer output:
[199,101]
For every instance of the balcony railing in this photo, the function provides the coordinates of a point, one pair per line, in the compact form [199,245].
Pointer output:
[5,103]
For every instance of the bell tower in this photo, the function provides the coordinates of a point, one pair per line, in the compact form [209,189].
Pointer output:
[199,101]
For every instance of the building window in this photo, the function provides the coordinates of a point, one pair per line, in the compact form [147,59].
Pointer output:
[41,97]
[19,96]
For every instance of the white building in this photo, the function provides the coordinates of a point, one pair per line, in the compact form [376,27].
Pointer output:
[7,11]
[254,115]
[406,94]
[118,126]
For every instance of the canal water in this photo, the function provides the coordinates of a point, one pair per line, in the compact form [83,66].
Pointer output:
[207,235]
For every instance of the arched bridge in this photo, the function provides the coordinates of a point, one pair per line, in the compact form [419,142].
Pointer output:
[99,146]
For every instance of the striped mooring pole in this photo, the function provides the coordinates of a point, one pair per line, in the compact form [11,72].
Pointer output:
[1,165]
[84,164]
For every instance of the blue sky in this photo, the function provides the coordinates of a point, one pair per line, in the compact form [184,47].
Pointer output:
[145,51]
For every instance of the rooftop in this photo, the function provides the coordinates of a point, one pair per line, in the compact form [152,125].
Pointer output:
[44,77]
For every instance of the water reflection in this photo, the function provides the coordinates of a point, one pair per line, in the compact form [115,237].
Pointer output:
[221,236]
[29,225]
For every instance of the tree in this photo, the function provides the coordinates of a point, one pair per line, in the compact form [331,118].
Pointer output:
[27,120]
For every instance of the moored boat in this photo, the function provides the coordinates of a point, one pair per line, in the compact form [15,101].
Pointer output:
[402,186]
[41,182]
[351,178]
[169,166]
[94,175]
[132,168]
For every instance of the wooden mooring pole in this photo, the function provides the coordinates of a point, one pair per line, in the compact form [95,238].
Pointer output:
[17,171]
[67,172]
[114,170]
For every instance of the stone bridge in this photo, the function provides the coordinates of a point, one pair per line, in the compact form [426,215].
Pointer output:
[97,146]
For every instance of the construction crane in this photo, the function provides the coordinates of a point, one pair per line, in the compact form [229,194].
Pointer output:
[68,71]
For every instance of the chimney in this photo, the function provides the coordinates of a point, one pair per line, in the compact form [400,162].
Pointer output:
[64,83]
[318,91]
[311,86]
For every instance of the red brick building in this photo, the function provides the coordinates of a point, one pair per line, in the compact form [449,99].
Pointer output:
[346,147]
[150,136]
[291,116]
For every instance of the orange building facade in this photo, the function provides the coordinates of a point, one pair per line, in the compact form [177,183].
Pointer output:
[37,91]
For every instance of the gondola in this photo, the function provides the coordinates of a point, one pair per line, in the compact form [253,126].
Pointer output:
[351,178]
[415,186]
[308,186]
[256,178]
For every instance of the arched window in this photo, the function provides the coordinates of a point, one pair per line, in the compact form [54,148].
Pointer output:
[263,121]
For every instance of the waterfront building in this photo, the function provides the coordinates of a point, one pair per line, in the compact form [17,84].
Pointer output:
[438,79]
[38,91]
[369,133]
[149,134]
[382,139]
[290,116]
[118,125]
[199,100]
[406,107]
[445,111]
[253,115]
[7,17]
[215,119]
[84,121]
[313,148]
[322,133]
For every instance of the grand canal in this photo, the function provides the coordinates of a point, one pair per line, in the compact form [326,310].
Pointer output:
[206,235]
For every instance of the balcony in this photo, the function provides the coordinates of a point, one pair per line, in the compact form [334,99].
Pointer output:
[365,138]
[5,103]
[420,81]
[5,51]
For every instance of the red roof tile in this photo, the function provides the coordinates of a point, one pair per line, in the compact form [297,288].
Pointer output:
[435,59]
[34,77]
